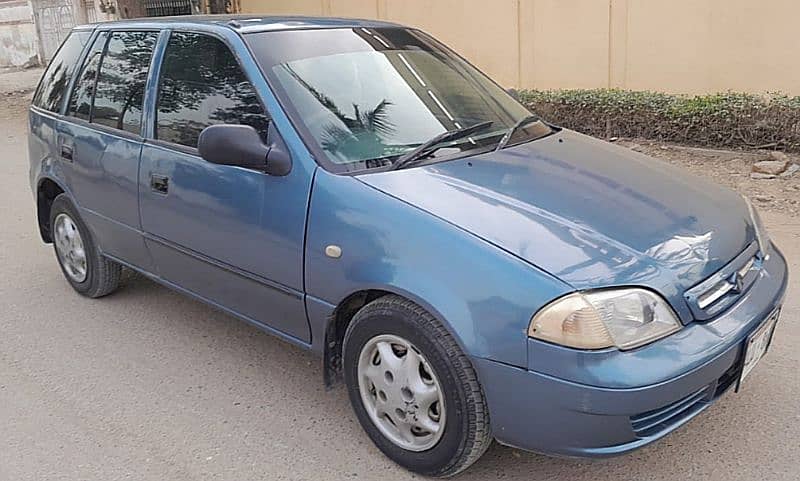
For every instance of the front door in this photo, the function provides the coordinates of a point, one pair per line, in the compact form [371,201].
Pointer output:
[230,235]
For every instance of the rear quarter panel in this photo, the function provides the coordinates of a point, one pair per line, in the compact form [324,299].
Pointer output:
[41,139]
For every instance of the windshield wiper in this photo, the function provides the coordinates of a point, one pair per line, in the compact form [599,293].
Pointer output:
[430,146]
[523,121]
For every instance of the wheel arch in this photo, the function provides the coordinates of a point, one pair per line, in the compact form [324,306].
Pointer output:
[342,314]
[47,189]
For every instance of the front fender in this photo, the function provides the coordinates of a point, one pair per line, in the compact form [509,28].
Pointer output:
[483,295]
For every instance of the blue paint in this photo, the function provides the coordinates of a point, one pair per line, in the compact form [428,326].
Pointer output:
[481,241]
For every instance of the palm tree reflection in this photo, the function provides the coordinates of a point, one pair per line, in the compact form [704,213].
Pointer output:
[363,135]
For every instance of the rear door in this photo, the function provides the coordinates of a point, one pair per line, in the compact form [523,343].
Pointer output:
[100,140]
[230,235]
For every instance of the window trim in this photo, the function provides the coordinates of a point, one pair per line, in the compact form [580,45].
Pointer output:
[75,80]
[154,90]
[82,59]
[82,123]
[109,31]
[165,144]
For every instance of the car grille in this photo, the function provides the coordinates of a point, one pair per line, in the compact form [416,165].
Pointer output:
[653,422]
[721,290]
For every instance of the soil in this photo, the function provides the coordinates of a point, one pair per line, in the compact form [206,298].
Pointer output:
[730,168]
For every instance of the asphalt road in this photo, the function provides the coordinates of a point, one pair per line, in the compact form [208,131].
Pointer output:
[148,385]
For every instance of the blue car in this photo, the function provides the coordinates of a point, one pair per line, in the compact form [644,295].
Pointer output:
[469,270]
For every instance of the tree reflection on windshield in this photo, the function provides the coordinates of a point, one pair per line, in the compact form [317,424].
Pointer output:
[366,96]
[363,134]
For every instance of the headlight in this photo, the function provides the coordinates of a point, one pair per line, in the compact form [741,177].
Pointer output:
[625,318]
[761,231]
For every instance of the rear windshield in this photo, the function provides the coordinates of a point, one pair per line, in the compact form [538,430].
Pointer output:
[55,80]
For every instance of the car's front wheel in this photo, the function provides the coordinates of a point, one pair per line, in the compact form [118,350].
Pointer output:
[413,390]
[87,271]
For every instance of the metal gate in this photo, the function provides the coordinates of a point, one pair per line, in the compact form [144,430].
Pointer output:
[162,8]
[54,19]
[91,12]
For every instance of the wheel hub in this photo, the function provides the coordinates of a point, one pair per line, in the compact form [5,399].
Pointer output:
[401,392]
[69,247]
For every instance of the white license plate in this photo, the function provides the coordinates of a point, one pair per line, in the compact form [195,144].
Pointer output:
[757,344]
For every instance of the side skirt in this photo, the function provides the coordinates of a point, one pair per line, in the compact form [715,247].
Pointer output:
[269,330]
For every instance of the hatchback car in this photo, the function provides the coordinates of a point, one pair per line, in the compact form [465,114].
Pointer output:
[356,188]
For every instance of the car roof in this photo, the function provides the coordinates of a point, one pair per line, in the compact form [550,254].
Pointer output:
[245,23]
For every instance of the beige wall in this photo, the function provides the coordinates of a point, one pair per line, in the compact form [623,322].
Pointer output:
[686,46]
[18,47]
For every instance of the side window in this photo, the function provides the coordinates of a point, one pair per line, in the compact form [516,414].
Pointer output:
[119,91]
[53,85]
[80,102]
[202,84]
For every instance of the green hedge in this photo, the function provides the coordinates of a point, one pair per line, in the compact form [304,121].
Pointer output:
[720,120]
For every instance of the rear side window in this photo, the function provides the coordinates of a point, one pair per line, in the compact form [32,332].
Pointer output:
[119,90]
[56,78]
[202,84]
[80,103]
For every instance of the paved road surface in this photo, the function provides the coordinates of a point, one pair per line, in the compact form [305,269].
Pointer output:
[148,385]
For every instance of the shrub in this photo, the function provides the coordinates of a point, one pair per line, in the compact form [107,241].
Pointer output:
[720,120]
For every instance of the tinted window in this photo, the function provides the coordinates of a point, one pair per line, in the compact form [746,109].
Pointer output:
[202,85]
[366,96]
[55,79]
[120,84]
[80,103]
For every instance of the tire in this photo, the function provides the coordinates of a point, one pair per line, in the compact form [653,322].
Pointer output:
[464,433]
[99,276]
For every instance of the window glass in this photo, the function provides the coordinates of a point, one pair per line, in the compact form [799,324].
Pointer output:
[80,103]
[56,77]
[202,85]
[120,84]
[366,96]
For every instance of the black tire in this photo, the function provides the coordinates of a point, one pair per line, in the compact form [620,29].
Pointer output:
[102,275]
[467,432]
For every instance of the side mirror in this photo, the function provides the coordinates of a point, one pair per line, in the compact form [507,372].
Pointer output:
[242,146]
[514,93]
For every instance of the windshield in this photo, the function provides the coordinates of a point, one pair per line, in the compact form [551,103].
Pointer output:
[366,96]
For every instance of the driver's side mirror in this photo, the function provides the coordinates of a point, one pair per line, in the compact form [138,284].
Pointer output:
[242,146]
[514,93]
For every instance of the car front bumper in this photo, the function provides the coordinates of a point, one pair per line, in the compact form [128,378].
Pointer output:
[596,404]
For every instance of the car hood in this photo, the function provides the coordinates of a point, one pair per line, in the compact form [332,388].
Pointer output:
[589,212]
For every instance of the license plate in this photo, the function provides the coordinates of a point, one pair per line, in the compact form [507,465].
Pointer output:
[757,344]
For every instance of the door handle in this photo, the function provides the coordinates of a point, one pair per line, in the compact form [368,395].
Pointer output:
[66,151]
[159,183]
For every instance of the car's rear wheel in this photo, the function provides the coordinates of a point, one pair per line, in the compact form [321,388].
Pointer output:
[413,390]
[87,271]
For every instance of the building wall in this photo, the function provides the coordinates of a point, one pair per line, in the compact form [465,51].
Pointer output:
[684,46]
[18,46]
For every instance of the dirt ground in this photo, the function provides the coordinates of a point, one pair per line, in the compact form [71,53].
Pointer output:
[732,169]
[147,384]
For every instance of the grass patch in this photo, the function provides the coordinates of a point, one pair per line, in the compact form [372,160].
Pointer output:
[730,120]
